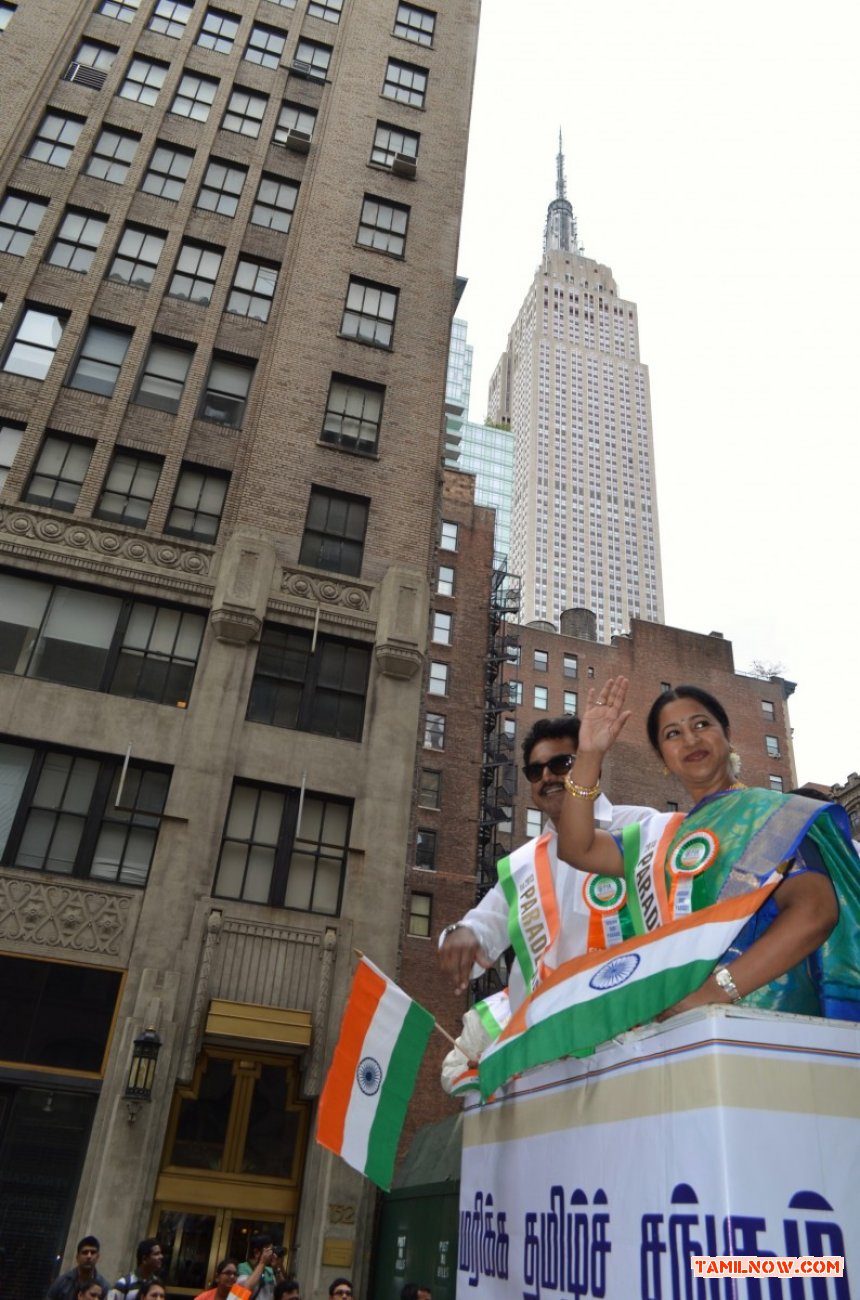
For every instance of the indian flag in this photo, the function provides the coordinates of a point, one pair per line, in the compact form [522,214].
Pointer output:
[591,999]
[372,1075]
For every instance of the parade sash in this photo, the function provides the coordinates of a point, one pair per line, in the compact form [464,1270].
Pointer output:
[494,1012]
[526,878]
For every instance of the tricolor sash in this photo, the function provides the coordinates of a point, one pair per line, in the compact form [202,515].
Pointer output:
[526,878]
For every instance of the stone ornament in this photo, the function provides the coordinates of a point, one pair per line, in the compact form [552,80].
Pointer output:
[62,916]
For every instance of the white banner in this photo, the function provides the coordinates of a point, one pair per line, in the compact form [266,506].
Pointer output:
[725,1131]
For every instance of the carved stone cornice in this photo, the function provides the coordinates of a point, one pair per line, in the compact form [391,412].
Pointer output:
[235,626]
[89,545]
[321,590]
[398,660]
[72,917]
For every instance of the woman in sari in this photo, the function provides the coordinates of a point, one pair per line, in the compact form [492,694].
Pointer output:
[798,953]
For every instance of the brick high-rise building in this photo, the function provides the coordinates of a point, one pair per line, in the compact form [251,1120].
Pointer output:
[576,395]
[228,239]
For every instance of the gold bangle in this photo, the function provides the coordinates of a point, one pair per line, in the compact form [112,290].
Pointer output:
[590,792]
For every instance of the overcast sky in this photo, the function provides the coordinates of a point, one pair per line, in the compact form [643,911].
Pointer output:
[712,163]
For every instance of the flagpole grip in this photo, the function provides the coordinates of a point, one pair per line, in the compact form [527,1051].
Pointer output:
[444,1033]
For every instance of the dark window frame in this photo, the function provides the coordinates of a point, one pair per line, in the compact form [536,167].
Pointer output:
[138,459]
[79,244]
[316,540]
[208,473]
[269,688]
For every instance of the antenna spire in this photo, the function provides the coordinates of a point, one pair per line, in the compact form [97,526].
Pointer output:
[560,229]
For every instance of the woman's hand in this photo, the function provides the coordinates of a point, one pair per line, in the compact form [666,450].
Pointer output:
[604,718]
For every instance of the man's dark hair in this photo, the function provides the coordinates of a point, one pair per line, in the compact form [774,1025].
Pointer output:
[410,1291]
[340,1281]
[286,1287]
[551,729]
[259,1241]
[88,1241]
[144,1248]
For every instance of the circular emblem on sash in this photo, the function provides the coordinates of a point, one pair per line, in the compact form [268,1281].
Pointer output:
[605,893]
[694,853]
[614,972]
[369,1076]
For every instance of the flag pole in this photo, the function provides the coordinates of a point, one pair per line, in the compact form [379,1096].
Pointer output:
[444,1032]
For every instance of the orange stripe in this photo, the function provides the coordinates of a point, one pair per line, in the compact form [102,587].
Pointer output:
[365,994]
[728,910]
[658,866]
[546,888]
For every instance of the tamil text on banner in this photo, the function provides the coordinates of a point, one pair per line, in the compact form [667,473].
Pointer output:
[372,1074]
[591,999]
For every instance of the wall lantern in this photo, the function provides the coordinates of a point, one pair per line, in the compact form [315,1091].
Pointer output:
[141,1075]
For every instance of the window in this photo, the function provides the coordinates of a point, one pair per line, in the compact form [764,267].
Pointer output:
[434,731]
[671,805]
[218,31]
[143,80]
[99,642]
[96,55]
[541,697]
[20,218]
[10,440]
[512,653]
[330,10]
[515,692]
[136,257]
[312,59]
[77,240]
[534,822]
[405,83]
[334,532]
[383,226]
[425,849]
[430,789]
[293,117]
[664,686]
[570,703]
[509,729]
[570,666]
[100,357]
[275,203]
[448,539]
[388,141]
[167,171]
[253,289]
[353,413]
[196,271]
[768,710]
[198,503]
[438,683]
[170,17]
[442,627]
[129,488]
[112,155]
[163,377]
[445,580]
[771,744]
[420,915]
[265,46]
[266,857]
[369,312]
[245,112]
[195,96]
[302,687]
[285,4]
[6,12]
[226,393]
[776,783]
[56,137]
[590,673]
[124,10]
[222,187]
[541,661]
[32,349]
[59,471]
[415,24]
[63,816]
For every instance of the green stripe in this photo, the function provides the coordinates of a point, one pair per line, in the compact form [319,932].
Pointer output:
[395,1095]
[578,1029]
[518,939]
[630,848]
[488,1019]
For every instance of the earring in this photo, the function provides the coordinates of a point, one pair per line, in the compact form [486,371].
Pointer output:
[665,770]
[734,763]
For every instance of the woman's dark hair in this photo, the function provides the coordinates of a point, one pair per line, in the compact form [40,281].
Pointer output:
[145,1287]
[222,1264]
[82,1287]
[707,701]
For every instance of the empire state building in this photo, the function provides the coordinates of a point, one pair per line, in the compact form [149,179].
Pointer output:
[575,393]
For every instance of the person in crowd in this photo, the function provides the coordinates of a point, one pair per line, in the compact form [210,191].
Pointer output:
[537,900]
[91,1290]
[261,1251]
[341,1288]
[412,1291]
[152,1290]
[84,1272]
[228,1283]
[799,952]
[288,1289]
[149,1261]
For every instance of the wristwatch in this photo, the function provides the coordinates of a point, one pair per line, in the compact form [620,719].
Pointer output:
[724,978]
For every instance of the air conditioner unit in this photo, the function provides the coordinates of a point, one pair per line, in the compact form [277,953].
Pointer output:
[298,141]
[403,164]
[93,78]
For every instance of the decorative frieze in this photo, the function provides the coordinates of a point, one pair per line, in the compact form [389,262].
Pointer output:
[79,919]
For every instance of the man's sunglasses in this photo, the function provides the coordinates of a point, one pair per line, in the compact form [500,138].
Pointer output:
[558,765]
